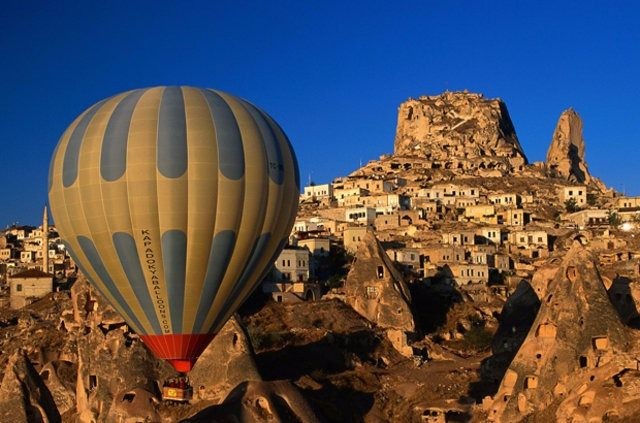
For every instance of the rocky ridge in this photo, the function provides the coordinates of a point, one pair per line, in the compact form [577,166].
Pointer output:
[458,130]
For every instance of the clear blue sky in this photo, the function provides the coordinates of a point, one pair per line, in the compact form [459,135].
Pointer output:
[332,73]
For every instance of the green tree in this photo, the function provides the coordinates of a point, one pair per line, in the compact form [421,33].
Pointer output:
[571,205]
[614,219]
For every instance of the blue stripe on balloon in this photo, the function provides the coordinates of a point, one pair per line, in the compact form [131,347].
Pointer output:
[130,260]
[89,250]
[228,136]
[277,129]
[53,159]
[174,260]
[172,134]
[257,251]
[72,153]
[113,155]
[219,257]
[272,146]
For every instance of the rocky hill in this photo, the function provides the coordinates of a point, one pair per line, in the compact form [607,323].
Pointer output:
[566,155]
[458,130]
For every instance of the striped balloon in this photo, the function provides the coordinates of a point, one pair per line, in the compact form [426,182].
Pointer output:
[174,202]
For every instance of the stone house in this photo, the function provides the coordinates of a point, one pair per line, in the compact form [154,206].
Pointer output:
[480,257]
[318,191]
[317,246]
[395,201]
[304,226]
[352,201]
[28,286]
[387,221]
[341,194]
[410,258]
[292,265]
[468,273]
[491,235]
[442,192]
[287,292]
[502,262]
[7,253]
[504,199]
[363,215]
[459,237]
[353,236]
[628,202]
[425,204]
[412,217]
[529,239]
[463,202]
[370,185]
[27,256]
[589,217]
[480,213]
[574,192]
[444,254]
[513,217]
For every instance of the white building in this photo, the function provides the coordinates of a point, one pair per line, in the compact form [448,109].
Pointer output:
[292,265]
[318,191]
[364,215]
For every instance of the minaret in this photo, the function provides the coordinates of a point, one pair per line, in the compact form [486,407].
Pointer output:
[45,241]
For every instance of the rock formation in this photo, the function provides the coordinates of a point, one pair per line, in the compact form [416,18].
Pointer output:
[376,290]
[227,361]
[88,366]
[459,130]
[23,396]
[571,364]
[565,157]
[257,401]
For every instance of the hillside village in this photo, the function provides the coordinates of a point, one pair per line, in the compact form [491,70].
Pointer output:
[458,257]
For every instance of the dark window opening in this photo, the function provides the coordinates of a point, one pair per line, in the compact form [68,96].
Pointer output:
[380,272]
[583,361]
[129,396]
[93,382]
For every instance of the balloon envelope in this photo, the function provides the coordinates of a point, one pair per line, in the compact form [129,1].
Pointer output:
[174,202]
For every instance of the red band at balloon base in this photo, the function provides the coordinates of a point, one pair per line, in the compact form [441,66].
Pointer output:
[181,351]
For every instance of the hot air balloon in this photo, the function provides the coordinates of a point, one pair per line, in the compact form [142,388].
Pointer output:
[174,202]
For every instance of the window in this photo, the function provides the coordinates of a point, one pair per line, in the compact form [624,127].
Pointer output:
[93,382]
[371,292]
[380,272]
[19,287]
[284,263]
[288,262]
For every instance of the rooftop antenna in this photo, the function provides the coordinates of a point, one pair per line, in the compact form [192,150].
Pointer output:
[309,179]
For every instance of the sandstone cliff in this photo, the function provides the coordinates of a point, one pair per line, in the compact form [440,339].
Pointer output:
[375,289]
[70,357]
[458,130]
[572,362]
[565,157]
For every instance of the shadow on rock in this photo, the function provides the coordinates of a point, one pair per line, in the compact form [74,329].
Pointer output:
[335,353]
[431,303]
[516,319]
